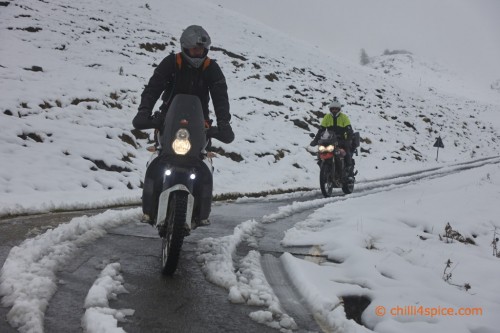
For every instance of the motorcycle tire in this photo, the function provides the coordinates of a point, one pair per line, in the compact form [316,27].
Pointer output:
[325,180]
[174,237]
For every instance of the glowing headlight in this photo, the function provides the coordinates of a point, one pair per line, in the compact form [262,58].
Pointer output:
[328,148]
[181,144]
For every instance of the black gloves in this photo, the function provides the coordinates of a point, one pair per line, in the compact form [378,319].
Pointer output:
[157,120]
[144,120]
[223,132]
[141,120]
[226,133]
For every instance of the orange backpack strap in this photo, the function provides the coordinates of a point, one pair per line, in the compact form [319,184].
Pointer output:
[178,61]
[206,63]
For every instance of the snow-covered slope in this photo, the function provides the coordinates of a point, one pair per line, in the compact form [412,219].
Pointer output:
[72,73]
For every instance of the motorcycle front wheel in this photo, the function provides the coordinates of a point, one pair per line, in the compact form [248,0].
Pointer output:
[174,236]
[325,180]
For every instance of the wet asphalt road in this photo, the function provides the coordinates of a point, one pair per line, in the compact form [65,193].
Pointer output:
[185,302]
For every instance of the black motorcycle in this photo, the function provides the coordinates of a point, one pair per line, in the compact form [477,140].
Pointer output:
[333,172]
[184,162]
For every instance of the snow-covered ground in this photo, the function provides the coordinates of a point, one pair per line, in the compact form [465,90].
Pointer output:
[388,244]
[71,78]
[70,82]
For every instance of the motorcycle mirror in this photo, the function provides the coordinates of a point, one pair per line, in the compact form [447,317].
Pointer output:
[312,135]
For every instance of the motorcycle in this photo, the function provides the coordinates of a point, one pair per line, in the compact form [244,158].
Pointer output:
[182,157]
[333,172]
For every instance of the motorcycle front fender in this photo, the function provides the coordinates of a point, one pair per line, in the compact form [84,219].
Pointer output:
[327,162]
[330,163]
[164,202]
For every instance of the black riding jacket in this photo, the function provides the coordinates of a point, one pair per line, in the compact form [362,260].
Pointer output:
[170,80]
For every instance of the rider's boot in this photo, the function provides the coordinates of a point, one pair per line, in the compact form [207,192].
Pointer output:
[205,207]
[205,199]
[202,222]
[147,219]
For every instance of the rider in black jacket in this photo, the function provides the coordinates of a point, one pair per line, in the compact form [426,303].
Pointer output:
[188,72]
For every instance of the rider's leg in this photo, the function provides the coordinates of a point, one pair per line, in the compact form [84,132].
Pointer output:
[205,195]
[349,163]
[150,192]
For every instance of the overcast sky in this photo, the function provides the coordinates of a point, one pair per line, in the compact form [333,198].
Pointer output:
[462,34]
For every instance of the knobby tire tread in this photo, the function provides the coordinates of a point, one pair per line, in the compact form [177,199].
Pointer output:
[323,179]
[180,201]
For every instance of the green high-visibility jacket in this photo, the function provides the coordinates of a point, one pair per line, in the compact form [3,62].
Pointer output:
[341,124]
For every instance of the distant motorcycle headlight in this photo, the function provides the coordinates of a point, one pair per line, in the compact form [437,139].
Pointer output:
[181,144]
[328,148]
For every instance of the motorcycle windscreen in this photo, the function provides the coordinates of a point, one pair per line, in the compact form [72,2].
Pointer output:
[185,111]
[328,137]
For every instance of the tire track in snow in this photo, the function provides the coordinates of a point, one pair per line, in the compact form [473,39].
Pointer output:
[28,277]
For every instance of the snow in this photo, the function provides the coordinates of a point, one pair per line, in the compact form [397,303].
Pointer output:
[394,252]
[99,317]
[247,284]
[28,277]
[68,143]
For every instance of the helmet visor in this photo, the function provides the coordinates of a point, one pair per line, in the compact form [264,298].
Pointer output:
[197,52]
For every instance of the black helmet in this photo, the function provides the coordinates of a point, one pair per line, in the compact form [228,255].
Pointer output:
[195,36]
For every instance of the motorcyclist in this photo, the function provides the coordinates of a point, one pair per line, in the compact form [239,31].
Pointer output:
[338,122]
[188,72]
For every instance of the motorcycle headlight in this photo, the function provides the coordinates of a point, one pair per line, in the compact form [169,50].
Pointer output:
[328,148]
[181,144]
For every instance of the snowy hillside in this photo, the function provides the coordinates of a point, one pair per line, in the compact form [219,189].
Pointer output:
[71,75]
